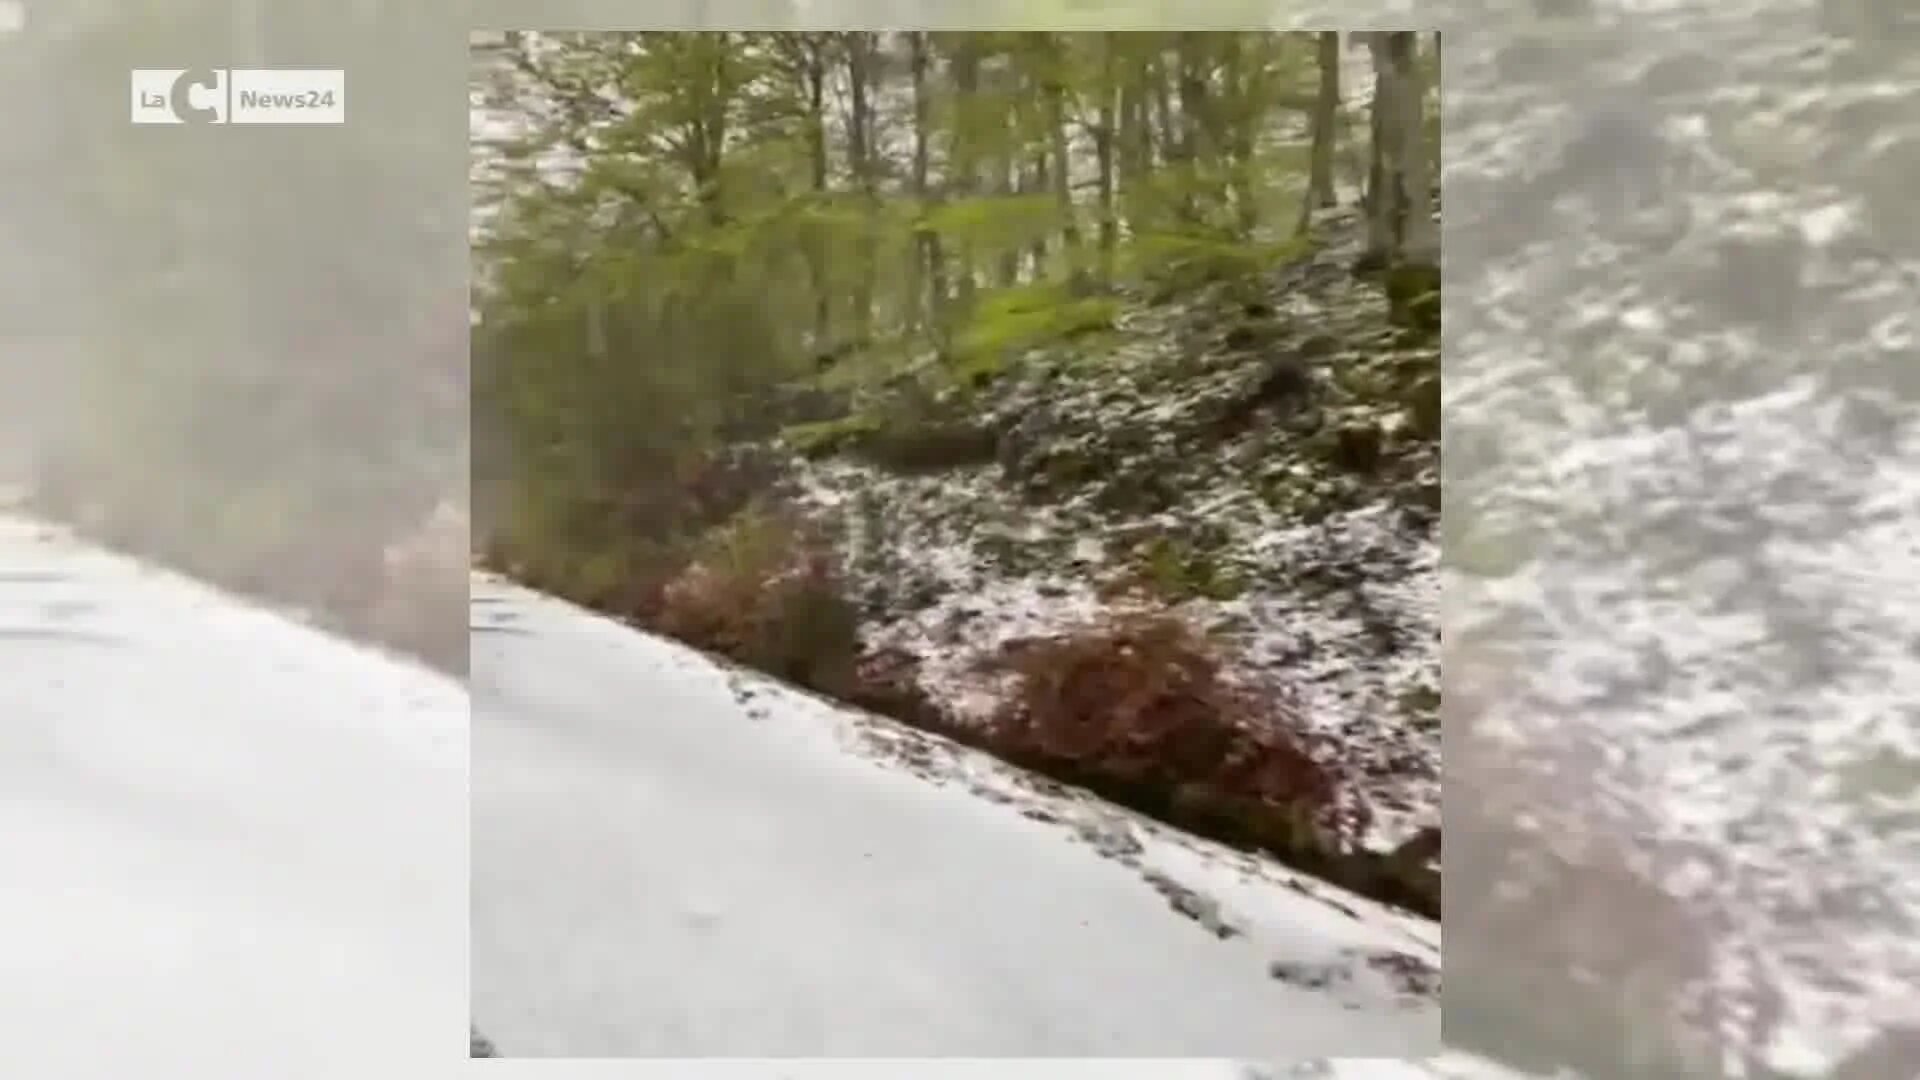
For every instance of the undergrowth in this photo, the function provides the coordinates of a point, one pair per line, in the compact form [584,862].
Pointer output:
[1141,702]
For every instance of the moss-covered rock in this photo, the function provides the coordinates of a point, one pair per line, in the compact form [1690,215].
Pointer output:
[929,447]
[1413,296]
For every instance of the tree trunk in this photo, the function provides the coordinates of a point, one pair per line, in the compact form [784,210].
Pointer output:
[1419,236]
[1326,110]
[1006,172]
[1195,123]
[1135,147]
[1380,202]
[1008,180]
[1062,174]
[1103,138]
[1237,120]
[1038,179]
[816,85]
[1171,147]
[928,274]
[966,156]
[860,162]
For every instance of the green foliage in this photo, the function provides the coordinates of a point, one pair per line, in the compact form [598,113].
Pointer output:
[1177,262]
[727,235]
[829,436]
[1176,570]
[1023,317]
[1002,221]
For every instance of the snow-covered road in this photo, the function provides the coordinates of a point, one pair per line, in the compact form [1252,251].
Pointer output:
[672,859]
[230,845]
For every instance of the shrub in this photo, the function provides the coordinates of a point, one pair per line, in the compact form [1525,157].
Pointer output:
[1140,709]
[764,590]
[887,682]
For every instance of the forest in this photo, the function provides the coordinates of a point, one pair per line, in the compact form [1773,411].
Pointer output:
[1074,395]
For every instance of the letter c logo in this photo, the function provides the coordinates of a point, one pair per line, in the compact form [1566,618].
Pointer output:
[180,98]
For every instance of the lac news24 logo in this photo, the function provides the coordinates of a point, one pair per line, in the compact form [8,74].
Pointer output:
[239,96]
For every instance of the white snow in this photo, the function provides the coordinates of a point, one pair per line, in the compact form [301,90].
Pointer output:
[674,858]
[931,528]
[230,845]
[1449,1066]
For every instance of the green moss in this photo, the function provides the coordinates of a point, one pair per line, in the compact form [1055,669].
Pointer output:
[1413,297]
[1421,705]
[1177,263]
[829,437]
[1012,320]
[1365,382]
[1178,570]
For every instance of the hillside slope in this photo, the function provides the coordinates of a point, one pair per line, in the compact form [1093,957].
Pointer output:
[1258,458]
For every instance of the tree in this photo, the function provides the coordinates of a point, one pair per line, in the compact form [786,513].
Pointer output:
[1326,118]
[1399,175]
[722,212]
[1419,238]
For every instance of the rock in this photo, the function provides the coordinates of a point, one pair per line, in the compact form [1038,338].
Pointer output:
[1284,382]
[1421,848]
[1307,976]
[1356,447]
[1317,346]
[1250,335]
[1427,496]
[1369,263]
[930,447]
[1423,410]
[1760,271]
[1413,296]
[1204,910]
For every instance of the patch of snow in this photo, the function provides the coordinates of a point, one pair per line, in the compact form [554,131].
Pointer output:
[673,858]
[1316,645]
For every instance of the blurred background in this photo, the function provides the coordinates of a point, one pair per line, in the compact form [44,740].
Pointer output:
[241,351]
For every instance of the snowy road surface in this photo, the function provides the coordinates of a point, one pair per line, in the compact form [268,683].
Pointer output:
[230,845]
[671,858]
